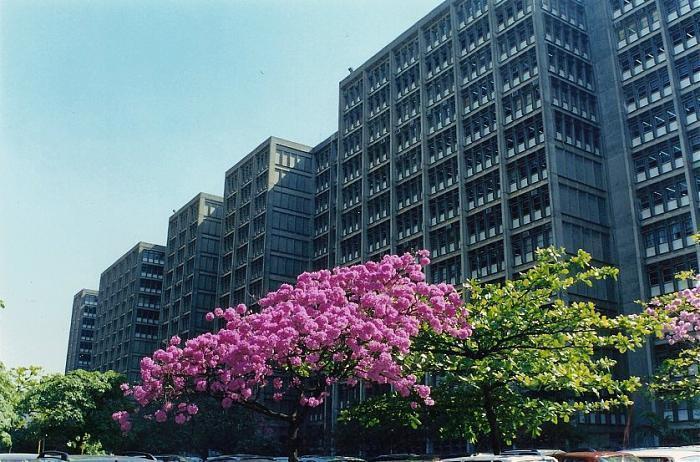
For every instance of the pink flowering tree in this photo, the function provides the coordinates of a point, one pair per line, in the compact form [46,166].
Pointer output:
[679,314]
[347,325]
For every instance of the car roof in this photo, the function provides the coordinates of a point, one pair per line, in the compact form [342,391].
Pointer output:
[664,452]
[508,457]
[593,454]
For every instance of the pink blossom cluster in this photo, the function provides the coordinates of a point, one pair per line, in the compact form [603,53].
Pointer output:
[349,324]
[683,312]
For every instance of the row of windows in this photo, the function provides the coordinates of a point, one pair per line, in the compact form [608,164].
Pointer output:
[684,35]
[570,67]
[527,170]
[647,90]
[378,180]
[663,197]
[486,260]
[445,240]
[378,208]
[409,223]
[568,10]
[479,125]
[519,70]
[688,69]
[642,57]
[512,11]
[409,192]
[469,10]
[438,60]
[525,244]
[677,8]
[443,176]
[529,207]
[638,25]
[652,124]
[485,224]
[444,207]
[658,159]
[567,37]
[408,108]
[573,99]
[668,235]
[477,94]
[483,190]
[439,88]
[437,32]
[621,7]
[378,237]
[440,116]
[521,102]
[478,157]
[442,145]
[515,40]
[661,276]
[524,136]
[476,65]
[378,153]
[378,101]
[576,133]
[473,37]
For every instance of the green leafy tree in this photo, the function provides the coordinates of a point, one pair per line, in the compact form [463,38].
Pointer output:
[538,354]
[71,412]
[14,385]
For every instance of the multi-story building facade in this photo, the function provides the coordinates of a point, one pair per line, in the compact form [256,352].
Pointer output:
[191,267]
[128,310]
[485,131]
[268,212]
[82,331]
[649,57]
[325,202]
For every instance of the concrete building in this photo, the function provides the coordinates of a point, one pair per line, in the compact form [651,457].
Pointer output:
[268,200]
[649,56]
[491,128]
[128,310]
[191,264]
[82,331]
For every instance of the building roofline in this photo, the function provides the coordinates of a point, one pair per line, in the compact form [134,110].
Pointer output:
[267,143]
[197,198]
[432,14]
[325,142]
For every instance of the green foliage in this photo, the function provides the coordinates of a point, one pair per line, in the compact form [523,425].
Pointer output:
[14,385]
[538,353]
[382,424]
[676,378]
[71,411]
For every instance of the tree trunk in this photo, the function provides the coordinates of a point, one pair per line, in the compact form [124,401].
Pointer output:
[293,439]
[495,431]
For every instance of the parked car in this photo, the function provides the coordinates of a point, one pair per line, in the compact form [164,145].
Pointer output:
[666,455]
[324,459]
[171,458]
[597,456]
[532,456]
[64,456]
[17,457]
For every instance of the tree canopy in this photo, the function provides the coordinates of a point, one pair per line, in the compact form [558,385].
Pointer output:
[346,325]
[538,354]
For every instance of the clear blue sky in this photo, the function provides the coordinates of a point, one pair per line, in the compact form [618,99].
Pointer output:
[114,113]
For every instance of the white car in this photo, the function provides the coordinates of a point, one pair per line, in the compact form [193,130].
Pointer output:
[503,458]
[17,457]
[666,455]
